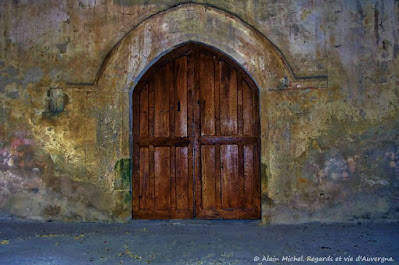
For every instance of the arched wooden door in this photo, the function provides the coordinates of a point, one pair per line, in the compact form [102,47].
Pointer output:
[196,138]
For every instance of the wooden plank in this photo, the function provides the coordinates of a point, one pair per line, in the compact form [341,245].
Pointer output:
[196,136]
[228,140]
[164,141]
[249,176]
[144,112]
[240,122]
[173,199]
[208,177]
[170,86]
[190,177]
[161,115]
[190,129]
[257,189]
[182,179]
[249,108]
[181,96]
[152,178]
[162,178]
[206,85]
[146,201]
[240,179]
[151,109]
[218,177]
[228,104]
[217,96]
[229,172]
[190,94]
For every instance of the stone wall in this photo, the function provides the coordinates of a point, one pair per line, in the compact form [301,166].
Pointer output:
[327,73]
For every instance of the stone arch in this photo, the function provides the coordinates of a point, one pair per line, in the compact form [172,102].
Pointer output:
[161,33]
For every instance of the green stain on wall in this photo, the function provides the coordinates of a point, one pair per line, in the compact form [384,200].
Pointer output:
[123,172]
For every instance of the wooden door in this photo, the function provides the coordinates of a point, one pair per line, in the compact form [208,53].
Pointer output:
[196,139]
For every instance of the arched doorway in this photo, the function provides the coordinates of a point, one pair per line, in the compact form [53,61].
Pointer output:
[196,144]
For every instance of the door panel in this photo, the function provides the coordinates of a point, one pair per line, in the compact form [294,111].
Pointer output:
[181,96]
[195,127]
[162,178]
[228,102]
[147,184]
[208,177]
[207,88]
[249,172]
[162,81]
[183,183]
[231,186]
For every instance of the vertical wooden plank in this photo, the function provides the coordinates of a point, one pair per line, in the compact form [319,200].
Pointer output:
[170,85]
[248,110]
[152,178]
[257,152]
[206,84]
[196,135]
[228,106]
[190,129]
[145,184]
[240,180]
[161,88]
[182,179]
[190,179]
[172,156]
[218,178]
[218,186]
[217,96]
[151,116]
[208,176]
[144,112]
[162,178]
[151,109]
[229,173]
[240,122]
[249,176]
[181,97]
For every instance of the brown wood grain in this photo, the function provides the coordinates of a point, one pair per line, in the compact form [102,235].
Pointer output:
[161,115]
[182,179]
[249,173]
[228,100]
[162,178]
[146,199]
[180,106]
[206,84]
[208,177]
[249,109]
[231,191]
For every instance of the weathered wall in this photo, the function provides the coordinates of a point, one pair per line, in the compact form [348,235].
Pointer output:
[330,149]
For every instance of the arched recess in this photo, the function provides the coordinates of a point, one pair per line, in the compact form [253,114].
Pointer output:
[158,35]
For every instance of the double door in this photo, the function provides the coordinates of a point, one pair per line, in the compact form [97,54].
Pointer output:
[196,139]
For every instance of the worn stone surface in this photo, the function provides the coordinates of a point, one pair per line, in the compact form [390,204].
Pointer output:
[197,242]
[327,74]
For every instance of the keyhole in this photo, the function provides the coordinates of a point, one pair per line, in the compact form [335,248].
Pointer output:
[178,105]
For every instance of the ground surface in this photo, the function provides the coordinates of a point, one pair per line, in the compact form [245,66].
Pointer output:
[193,242]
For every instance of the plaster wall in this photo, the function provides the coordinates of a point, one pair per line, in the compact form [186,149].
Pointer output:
[327,73]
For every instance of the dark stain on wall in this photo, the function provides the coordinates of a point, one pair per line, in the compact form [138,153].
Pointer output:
[123,172]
